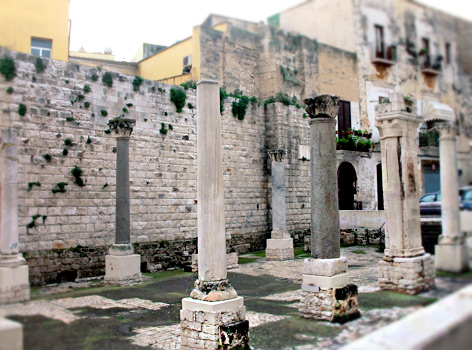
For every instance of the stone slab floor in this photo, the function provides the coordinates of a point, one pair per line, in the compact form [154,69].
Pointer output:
[88,315]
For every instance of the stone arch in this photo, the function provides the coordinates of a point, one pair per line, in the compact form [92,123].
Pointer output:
[347,183]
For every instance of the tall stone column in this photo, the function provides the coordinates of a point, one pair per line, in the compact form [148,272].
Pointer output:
[122,266]
[326,292]
[405,267]
[280,246]
[214,316]
[14,280]
[452,251]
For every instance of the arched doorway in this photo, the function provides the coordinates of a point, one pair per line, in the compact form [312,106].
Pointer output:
[347,181]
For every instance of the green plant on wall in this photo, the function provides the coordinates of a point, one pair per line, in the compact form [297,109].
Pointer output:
[21,109]
[31,184]
[86,104]
[32,224]
[223,96]
[9,90]
[87,88]
[39,65]
[163,129]
[7,67]
[137,81]
[68,142]
[189,85]
[239,107]
[178,97]
[47,157]
[60,187]
[94,77]
[107,79]
[65,152]
[77,174]
[103,113]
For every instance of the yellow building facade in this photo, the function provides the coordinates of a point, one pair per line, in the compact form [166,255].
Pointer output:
[38,27]
[178,63]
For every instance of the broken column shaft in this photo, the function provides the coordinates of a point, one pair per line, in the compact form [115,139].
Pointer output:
[14,280]
[280,246]
[214,316]
[405,267]
[452,251]
[326,292]
[122,267]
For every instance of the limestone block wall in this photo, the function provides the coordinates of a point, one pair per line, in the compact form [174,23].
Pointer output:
[60,115]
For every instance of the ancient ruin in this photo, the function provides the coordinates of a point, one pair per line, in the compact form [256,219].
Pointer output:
[280,246]
[405,267]
[326,292]
[214,316]
[122,265]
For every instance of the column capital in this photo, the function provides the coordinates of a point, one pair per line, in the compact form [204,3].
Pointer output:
[322,106]
[447,130]
[123,127]
[277,155]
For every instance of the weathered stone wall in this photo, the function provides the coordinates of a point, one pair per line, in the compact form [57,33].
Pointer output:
[162,169]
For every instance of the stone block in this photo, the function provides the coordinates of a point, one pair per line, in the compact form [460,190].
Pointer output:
[123,270]
[452,258]
[324,267]
[11,335]
[231,305]
[14,284]
[326,282]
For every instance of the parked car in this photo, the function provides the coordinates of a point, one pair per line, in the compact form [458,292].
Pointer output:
[430,204]
[465,194]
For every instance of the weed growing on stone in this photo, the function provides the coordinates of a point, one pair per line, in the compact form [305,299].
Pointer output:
[21,109]
[107,131]
[137,81]
[107,79]
[94,77]
[31,184]
[163,129]
[189,105]
[68,142]
[39,65]
[7,67]
[69,119]
[239,107]
[189,85]
[65,152]
[125,110]
[32,224]
[77,174]
[87,88]
[178,97]
[9,90]
[89,140]
[60,187]
[171,127]
[87,104]
[104,113]
[47,157]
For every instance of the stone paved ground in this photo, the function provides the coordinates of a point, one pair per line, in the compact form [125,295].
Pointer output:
[88,315]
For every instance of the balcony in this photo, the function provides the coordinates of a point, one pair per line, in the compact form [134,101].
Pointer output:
[385,56]
[430,65]
[429,138]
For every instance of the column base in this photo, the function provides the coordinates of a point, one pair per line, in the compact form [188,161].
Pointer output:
[14,284]
[11,334]
[452,258]
[279,249]
[214,325]
[407,275]
[231,261]
[326,292]
[123,270]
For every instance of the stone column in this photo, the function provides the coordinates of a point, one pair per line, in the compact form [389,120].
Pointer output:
[214,316]
[14,280]
[451,252]
[280,246]
[326,292]
[122,267]
[405,267]
[11,334]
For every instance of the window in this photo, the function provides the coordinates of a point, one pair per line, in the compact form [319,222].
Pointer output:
[428,198]
[344,117]
[379,42]
[41,47]
[425,52]
[448,53]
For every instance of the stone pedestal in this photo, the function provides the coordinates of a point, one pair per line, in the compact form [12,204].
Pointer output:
[11,335]
[214,325]
[405,268]
[452,252]
[214,316]
[280,246]
[14,280]
[122,266]
[326,292]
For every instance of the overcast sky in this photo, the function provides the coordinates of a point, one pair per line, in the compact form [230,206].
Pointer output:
[124,24]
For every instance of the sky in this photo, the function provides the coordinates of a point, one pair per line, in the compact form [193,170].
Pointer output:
[123,25]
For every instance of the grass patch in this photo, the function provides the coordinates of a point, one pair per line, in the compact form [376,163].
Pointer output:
[260,253]
[358,251]
[165,274]
[464,275]
[243,261]
[387,300]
